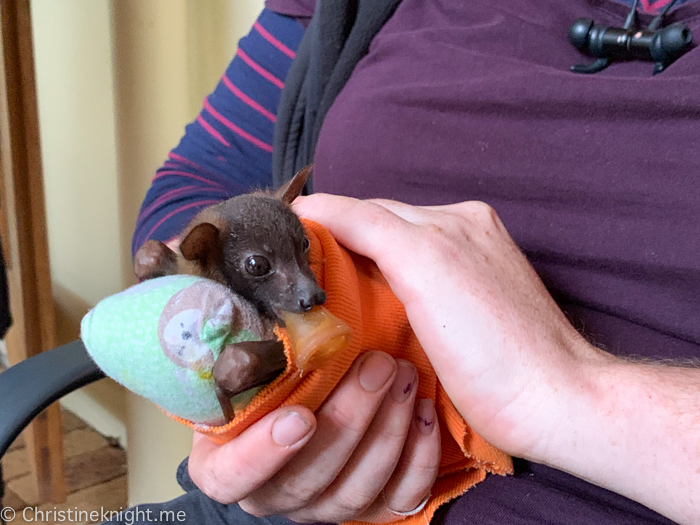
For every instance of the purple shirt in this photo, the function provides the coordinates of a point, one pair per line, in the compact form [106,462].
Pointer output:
[597,178]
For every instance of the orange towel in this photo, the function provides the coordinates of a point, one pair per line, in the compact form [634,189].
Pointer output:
[359,295]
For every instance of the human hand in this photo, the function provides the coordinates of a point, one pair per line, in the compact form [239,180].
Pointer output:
[503,350]
[361,456]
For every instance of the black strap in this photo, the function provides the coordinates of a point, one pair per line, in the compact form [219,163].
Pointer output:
[337,38]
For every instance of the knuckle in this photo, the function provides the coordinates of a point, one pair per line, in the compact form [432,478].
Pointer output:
[483,213]
[210,483]
[424,470]
[425,463]
[381,202]
[249,468]
[409,498]
[356,505]
[299,495]
[433,231]
[394,433]
[427,469]
[287,497]
[479,208]
[335,507]
[345,418]
[249,507]
[346,509]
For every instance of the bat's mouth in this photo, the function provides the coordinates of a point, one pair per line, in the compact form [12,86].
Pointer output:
[315,336]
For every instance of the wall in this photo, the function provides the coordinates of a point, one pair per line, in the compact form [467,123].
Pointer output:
[75,90]
[117,81]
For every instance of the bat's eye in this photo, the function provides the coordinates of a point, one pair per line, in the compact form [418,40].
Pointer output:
[257,265]
[306,244]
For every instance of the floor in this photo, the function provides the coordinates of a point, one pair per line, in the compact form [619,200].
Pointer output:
[95,469]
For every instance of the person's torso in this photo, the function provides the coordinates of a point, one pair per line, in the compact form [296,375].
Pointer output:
[597,177]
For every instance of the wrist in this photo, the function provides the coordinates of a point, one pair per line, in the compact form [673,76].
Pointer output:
[573,397]
[632,428]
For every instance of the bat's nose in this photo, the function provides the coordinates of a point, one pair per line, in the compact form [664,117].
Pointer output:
[311,298]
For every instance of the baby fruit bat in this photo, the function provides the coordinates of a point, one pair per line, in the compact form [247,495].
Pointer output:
[255,245]
[252,243]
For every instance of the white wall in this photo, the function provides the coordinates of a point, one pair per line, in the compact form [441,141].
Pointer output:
[117,81]
[75,90]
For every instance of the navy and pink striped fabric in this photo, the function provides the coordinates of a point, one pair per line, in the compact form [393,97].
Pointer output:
[227,150]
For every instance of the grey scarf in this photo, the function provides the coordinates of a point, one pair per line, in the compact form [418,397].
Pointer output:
[338,36]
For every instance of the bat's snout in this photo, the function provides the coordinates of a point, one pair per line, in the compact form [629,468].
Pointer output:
[295,291]
[310,298]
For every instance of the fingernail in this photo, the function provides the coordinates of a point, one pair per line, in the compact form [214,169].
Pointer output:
[425,416]
[289,429]
[375,371]
[404,381]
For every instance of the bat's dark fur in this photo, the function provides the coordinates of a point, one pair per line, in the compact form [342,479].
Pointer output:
[252,243]
[259,231]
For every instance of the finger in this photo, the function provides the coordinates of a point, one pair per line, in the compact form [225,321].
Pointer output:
[417,215]
[341,423]
[448,217]
[409,487]
[361,226]
[374,459]
[369,228]
[227,473]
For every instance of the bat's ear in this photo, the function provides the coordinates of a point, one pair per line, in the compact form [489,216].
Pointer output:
[202,244]
[292,189]
[154,259]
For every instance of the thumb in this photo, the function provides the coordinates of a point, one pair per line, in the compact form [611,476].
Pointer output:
[363,227]
[228,473]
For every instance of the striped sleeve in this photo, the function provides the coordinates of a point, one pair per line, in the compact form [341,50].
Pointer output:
[227,150]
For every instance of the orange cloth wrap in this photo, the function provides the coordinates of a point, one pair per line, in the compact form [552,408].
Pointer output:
[358,294]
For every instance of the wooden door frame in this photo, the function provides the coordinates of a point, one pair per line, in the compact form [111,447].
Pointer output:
[23,227]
